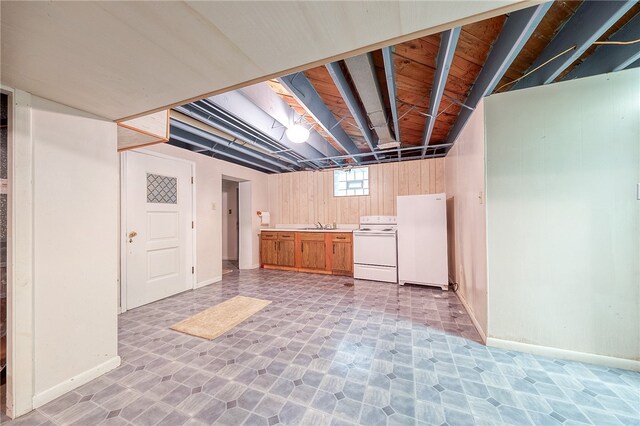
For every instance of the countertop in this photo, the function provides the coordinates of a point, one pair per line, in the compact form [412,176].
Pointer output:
[305,230]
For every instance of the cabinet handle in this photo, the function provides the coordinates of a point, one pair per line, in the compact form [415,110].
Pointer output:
[334,248]
[340,238]
[302,247]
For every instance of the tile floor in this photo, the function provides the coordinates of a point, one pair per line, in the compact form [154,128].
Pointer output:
[329,353]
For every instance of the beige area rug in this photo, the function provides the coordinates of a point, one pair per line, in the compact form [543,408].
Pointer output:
[219,319]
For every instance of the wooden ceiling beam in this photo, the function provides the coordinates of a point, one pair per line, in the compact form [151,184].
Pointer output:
[353,105]
[515,33]
[610,58]
[303,91]
[586,26]
[448,45]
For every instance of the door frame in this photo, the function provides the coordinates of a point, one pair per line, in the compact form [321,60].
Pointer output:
[122,299]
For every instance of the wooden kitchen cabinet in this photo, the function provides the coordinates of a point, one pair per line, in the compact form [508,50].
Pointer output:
[341,254]
[312,250]
[315,252]
[287,253]
[277,249]
[269,252]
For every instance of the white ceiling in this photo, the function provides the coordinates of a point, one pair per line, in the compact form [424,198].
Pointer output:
[119,59]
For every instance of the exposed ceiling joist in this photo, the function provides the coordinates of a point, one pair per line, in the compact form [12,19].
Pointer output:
[364,78]
[447,50]
[303,91]
[515,33]
[610,58]
[636,64]
[390,74]
[433,148]
[264,110]
[201,112]
[586,26]
[352,103]
[177,129]
[191,144]
[271,114]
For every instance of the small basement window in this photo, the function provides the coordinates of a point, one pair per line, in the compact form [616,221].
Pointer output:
[351,182]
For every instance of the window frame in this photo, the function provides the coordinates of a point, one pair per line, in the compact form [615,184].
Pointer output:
[353,172]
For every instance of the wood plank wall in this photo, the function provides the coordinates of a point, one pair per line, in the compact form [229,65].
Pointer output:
[307,197]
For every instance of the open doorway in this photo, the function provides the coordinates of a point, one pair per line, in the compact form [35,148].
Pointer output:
[230,226]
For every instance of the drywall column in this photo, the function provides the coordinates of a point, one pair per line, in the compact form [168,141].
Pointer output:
[248,238]
[75,178]
[466,218]
[20,356]
[563,219]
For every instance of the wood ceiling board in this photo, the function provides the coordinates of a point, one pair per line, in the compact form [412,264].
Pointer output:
[631,13]
[415,70]
[123,59]
[330,95]
[422,51]
[554,19]
[472,50]
[277,87]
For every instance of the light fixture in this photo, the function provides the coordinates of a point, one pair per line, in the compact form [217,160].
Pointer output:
[297,133]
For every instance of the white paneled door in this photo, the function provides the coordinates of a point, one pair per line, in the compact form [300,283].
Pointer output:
[158,228]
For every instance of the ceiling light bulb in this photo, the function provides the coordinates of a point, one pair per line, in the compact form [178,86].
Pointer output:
[297,133]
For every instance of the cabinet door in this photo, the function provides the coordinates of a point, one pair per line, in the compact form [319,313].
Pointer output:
[313,256]
[286,253]
[269,252]
[342,260]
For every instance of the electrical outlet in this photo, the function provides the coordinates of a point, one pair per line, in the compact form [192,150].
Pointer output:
[213,206]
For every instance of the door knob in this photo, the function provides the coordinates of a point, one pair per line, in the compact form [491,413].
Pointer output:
[131,235]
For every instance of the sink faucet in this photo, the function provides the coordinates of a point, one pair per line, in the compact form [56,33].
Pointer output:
[319,225]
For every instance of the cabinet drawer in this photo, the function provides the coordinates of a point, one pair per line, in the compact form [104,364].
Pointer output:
[312,236]
[286,236]
[269,235]
[342,237]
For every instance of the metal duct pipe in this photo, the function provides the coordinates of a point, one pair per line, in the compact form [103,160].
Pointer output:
[364,77]
[202,114]
[219,119]
[223,154]
[218,140]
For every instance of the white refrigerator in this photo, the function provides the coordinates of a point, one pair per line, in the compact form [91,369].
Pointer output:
[422,240]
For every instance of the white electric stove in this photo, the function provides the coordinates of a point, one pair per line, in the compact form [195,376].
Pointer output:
[375,254]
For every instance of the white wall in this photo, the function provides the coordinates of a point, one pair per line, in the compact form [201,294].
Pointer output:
[563,162]
[229,220]
[466,217]
[208,181]
[75,179]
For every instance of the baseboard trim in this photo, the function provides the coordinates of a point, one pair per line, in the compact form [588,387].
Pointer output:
[475,322]
[609,361]
[207,282]
[76,381]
